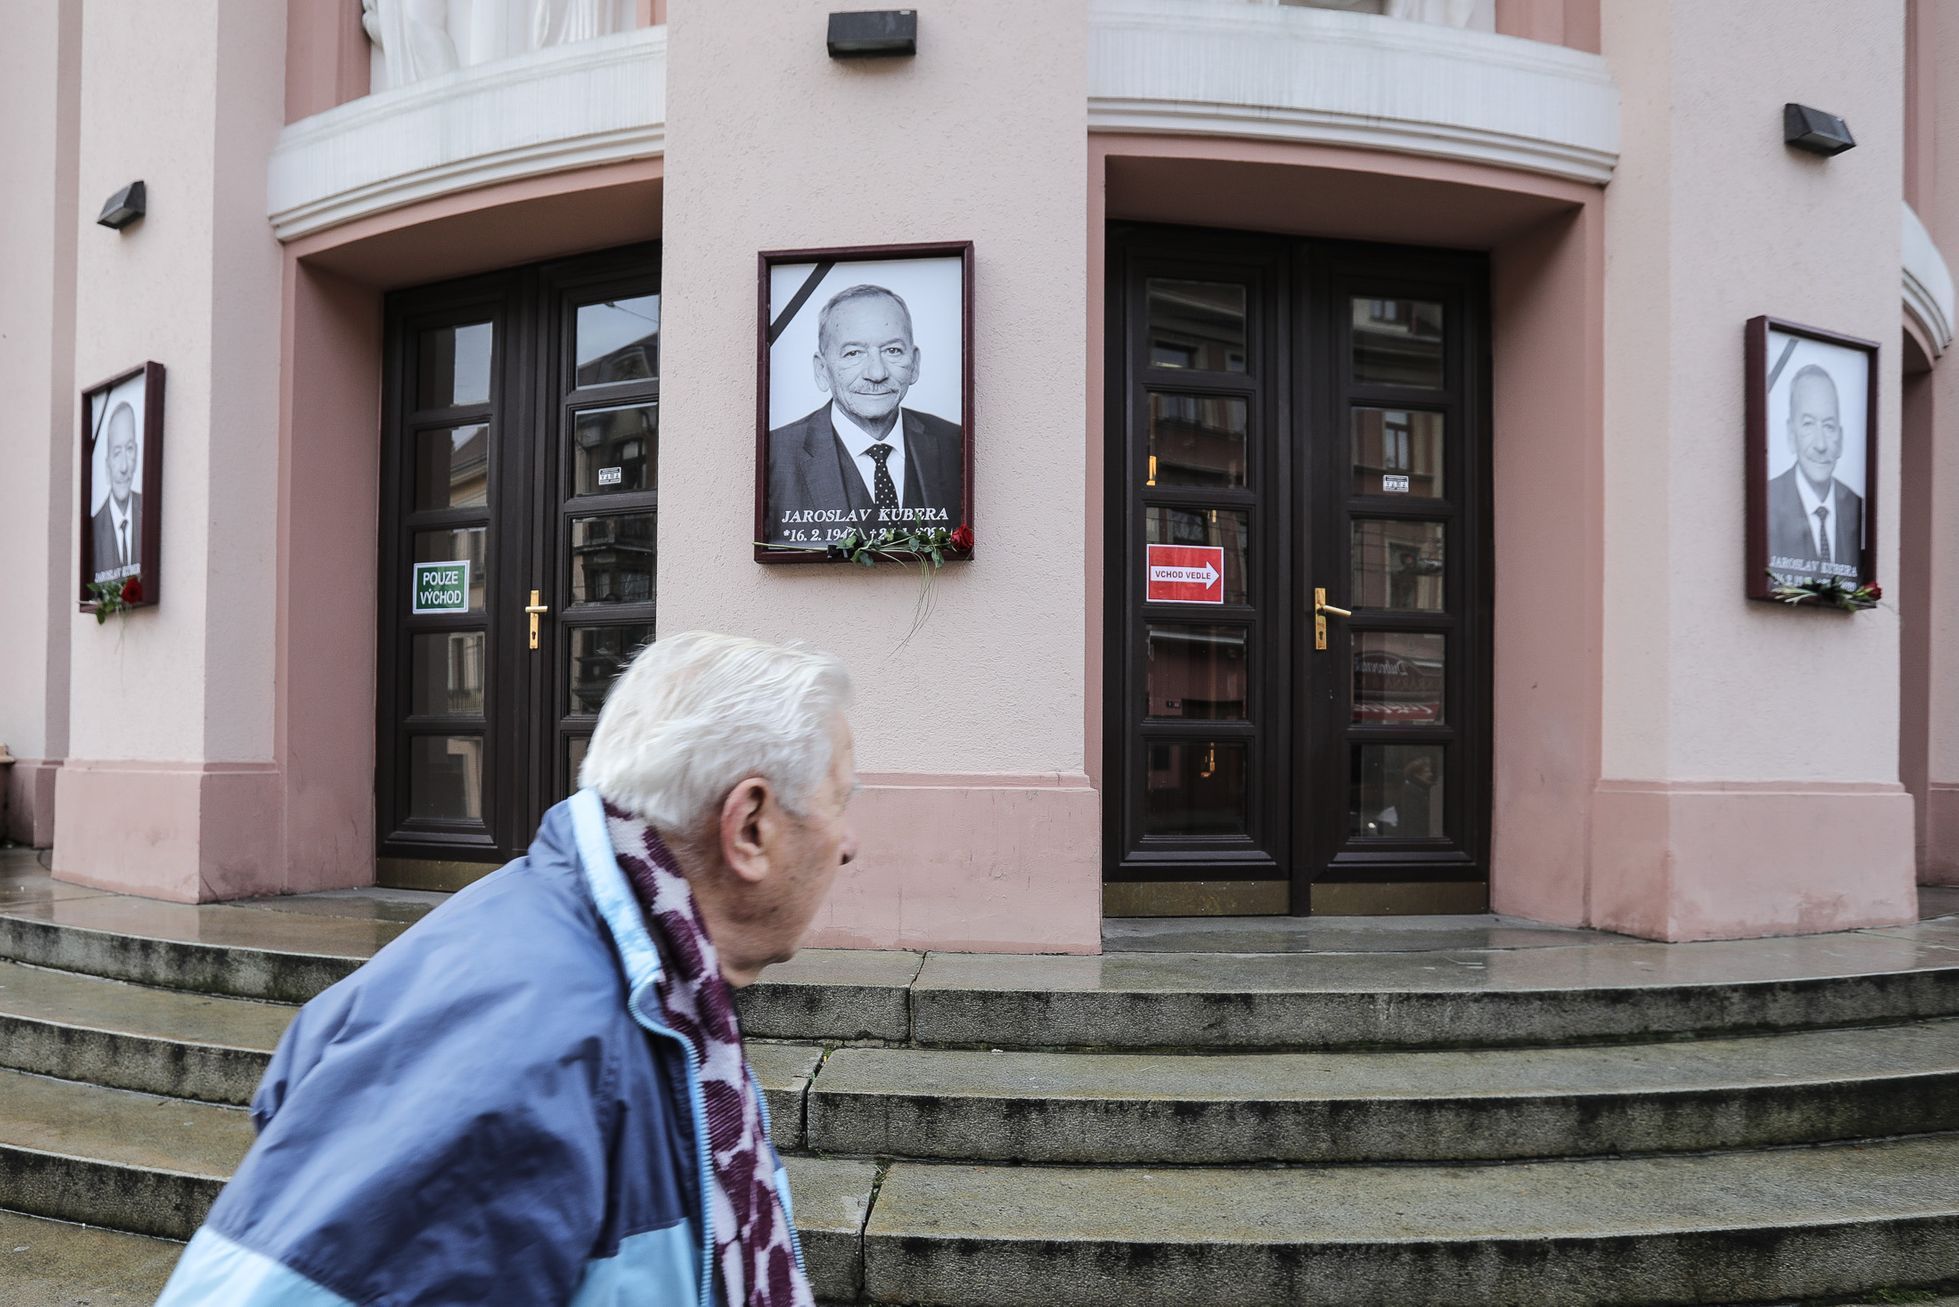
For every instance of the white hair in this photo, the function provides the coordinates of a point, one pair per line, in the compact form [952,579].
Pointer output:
[697,712]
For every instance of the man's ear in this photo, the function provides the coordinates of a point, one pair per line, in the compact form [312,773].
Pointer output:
[822,373]
[917,363]
[748,817]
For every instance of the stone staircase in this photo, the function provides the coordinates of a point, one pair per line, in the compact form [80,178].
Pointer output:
[1580,1119]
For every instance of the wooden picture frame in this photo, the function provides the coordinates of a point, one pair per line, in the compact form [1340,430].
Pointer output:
[106,521]
[1800,381]
[809,489]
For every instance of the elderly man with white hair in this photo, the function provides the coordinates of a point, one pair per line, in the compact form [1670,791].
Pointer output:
[539,1093]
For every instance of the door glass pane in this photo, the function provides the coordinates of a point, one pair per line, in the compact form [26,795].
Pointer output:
[1397,452]
[1196,440]
[1195,789]
[452,546]
[1398,678]
[1396,790]
[452,467]
[1196,324]
[1197,672]
[1397,342]
[598,655]
[1398,564]
[618,340]
[445,777]
[575,747]
[616,449]
[612,559]
[446,674]
[453,366]
[1226,527]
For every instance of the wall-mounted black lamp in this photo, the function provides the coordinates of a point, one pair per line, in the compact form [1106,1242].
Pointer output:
[1815,131]
[871,33]
[124,207]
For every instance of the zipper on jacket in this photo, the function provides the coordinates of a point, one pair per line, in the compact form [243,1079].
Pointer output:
[703,1177]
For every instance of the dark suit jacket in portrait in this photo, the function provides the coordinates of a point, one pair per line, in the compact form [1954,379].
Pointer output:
[1792,541]
[108,553]
[810,472]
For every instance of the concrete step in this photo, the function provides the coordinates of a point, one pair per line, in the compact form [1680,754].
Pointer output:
[150,1165]
[55,1264]
[215,1050]
[1690,1095]
[110,1157]
[159,1041]
[1630,990]
[1835,1220]
[1596,988]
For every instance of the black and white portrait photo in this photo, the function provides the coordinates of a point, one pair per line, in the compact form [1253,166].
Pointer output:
[866,399]
[1812,416]
[121,429]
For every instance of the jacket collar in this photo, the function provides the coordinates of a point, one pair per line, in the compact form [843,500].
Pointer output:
[612,892]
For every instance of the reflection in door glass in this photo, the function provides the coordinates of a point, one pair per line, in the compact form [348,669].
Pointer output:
[1397,343]
[454,366]
[445,675]
[612,559]
[618,340]
[575,747]
[445,777]
[1397,452]
[452,467]
[454,546]
[1396,791]
[1196,324]
[1195,789]
[1398,564]
[1196,440]
[1398,678]
[1228,528]
[1196,672]
[617,448]
[598,655]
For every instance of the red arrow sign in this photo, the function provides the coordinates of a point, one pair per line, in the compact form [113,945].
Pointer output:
[1185,574]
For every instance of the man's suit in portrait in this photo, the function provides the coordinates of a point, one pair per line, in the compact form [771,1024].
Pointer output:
[108,550]
[810,470]
[1791,529]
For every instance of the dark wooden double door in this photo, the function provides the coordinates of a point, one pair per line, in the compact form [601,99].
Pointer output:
[521,443]
[1310,420]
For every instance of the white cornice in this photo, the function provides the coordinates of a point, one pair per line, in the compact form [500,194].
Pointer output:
[1227,68]
[598,101]
[1928,284]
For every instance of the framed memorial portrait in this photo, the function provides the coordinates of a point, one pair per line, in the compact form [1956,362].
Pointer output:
[120,503]
[1812,457]
[864,396]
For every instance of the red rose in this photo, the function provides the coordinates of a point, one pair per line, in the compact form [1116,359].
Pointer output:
[132,590]
[1877,591]
[963,537]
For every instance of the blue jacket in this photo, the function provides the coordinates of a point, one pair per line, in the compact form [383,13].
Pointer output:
[489,1111]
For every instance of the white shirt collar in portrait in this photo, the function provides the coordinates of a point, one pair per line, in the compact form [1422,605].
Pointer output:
[119,519]
[1813,501]
[859,441]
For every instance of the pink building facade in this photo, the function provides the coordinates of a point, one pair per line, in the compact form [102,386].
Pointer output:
[1426,320]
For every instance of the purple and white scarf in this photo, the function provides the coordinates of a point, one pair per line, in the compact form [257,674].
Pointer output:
[752,1249]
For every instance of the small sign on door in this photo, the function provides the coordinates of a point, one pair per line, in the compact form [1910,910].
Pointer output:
[1185,574]
[1393,485]
[612,476]
[441,587]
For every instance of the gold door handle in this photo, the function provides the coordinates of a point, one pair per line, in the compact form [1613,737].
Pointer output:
[534,610]
[1320,609]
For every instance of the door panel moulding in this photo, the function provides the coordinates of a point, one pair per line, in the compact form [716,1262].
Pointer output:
[572,106]
[1314,75]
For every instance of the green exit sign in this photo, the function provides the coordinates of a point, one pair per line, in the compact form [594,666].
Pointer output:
[441,587]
